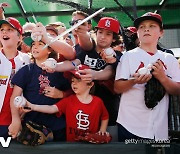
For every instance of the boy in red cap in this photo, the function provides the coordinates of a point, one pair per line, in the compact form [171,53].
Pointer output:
[84,112]
[102,66]
[135,119]
[11,60]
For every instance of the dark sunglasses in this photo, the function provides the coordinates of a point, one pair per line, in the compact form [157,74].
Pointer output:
[71,23]
[26,34]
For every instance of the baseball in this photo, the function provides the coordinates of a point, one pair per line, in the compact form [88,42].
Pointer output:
[149,67]
[36,36]
[109,51]
[19,101]
[143,71]
[51,63]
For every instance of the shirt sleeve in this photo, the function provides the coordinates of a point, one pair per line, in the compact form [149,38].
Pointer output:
[22,77]
[61,105]
[123,68]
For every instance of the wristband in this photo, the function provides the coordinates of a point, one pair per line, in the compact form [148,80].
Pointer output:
[75,66]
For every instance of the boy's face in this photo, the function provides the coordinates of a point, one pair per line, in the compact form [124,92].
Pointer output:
[149,32]
[38,52]
[79,86]
[104,38]
[9,36]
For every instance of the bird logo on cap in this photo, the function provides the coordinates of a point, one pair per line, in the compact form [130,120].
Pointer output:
[108,23]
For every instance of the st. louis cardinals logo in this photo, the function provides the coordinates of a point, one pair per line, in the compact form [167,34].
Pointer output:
[107,23]
[83,121]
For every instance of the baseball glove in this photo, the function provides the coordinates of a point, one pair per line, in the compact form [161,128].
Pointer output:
[154,92]
[33,134]
[95,138]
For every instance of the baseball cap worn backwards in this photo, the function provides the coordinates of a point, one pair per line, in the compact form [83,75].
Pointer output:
[149,16]
[109,24]
[13,22]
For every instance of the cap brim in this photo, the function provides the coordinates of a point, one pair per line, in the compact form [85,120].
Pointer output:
[69,74]
[53,29]
[5,22]
[28,40]
[140,19]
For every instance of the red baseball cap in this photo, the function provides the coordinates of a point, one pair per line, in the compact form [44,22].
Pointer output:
[109,24]
[149,16]
[75,72]
[13,22]
[132,29]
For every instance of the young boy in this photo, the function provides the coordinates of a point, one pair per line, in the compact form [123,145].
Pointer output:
[38,87]
[103,68]
[84,112]
[11,60]
[135,120]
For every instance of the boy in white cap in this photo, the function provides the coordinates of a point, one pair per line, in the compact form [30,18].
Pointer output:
[135,120]
[11,60]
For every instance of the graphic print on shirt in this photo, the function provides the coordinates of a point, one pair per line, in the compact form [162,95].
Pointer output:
[141,65]
[82,120]
[94,63]
[43,82]
[3,80]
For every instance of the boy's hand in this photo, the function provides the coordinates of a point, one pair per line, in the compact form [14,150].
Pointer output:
[82,29]
[41,30]
[53,92]
[109,57]
[14,128]
[158,70]
[87,75]
[5,4]
[47,69]
[141,79]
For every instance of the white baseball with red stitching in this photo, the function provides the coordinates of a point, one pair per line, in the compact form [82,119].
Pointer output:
[19,101]
[36,36]
[51,63]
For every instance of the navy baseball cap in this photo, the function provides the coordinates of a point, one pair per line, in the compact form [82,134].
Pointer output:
[149,16]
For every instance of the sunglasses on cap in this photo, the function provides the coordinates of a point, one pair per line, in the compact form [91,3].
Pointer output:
[71,23]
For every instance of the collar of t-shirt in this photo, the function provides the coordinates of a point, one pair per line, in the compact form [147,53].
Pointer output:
[11,60]
[150,53]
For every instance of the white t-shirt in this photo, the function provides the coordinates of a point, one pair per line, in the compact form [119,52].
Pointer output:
[133,114]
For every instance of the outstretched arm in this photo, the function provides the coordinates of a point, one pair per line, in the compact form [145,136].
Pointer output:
[62,66]
[84,37]
[89,74]
[59,46]
[43,108]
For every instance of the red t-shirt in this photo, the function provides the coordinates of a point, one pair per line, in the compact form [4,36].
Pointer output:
[81,118]
[5,114]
